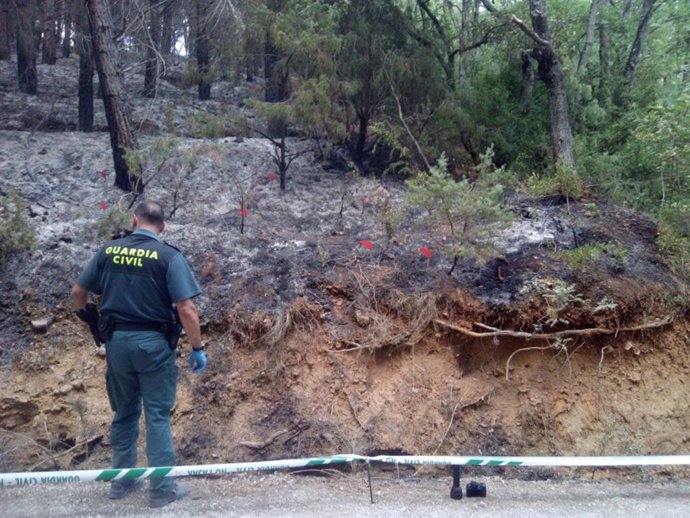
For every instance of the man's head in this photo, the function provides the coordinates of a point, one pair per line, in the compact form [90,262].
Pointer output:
[149,214]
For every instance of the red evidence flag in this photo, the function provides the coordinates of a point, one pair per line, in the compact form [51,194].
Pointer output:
[103,205]
[244,212]
[103,174]
[367,244]
[426,252]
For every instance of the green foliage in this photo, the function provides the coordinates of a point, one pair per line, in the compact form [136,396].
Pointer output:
[465,210]
[391,137]
[556,294]
[284,112]
[152,160]
[391,218]
[115,221]
[674,237]
[16,236]
[489,175]
[207,125]
[192,77]
[565,182]
[603,306]
[170,118]
[315,111]
[587,257]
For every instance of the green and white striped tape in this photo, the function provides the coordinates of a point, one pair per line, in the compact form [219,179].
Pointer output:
[61,477]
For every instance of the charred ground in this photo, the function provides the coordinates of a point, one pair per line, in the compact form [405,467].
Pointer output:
[319,344]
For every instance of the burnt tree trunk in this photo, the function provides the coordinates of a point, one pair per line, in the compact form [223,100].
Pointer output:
[272,93]
[67,22]
[550,72]
[275,81]
[203,49]
[167,44]
[26,50]
[86,70]
[152,49]
[362,135]
[122,138]
[5,33]
[50,32]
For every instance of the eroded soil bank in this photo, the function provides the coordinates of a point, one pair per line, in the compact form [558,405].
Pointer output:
[320,345]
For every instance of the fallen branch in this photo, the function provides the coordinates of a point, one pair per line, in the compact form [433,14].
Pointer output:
[494,332]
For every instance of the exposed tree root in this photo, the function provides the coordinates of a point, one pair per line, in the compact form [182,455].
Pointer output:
[260,445]
[494,332]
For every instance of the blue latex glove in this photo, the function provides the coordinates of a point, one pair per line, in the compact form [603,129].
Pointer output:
[197,361]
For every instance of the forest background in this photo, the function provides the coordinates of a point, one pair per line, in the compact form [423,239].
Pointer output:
[567,96]
[568,116]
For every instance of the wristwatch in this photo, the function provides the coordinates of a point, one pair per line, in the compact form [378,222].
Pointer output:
[201,347]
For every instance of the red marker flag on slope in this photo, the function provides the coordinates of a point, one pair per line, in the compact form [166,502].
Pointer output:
[103,174]
[244,212]
[271,177]
[103,205]
[426,252]
[367,244]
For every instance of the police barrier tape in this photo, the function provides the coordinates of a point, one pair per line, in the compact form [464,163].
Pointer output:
[61,477]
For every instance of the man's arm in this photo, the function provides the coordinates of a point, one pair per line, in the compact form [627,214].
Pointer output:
[79,297]
[189,317]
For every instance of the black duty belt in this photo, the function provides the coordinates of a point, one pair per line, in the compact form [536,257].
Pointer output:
[141,326]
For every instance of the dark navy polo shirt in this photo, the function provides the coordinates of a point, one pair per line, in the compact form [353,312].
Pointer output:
[139,278]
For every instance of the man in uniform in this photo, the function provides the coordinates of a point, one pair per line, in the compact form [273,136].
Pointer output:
[139,279]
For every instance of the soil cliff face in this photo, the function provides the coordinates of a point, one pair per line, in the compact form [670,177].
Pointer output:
[319,344]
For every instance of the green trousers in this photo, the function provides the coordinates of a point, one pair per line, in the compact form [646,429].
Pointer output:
[141,369]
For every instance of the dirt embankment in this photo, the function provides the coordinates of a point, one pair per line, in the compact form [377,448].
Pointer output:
[321,345]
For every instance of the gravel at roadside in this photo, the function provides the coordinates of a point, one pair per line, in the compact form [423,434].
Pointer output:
[286,495]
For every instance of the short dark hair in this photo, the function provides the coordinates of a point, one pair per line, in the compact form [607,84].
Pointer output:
[150,212]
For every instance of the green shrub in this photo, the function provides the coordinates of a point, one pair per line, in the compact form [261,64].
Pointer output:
[565,182]
[586,257]
[115,221]
[673,238]
[466,210]
[206,125]
[16,236]
[557,296]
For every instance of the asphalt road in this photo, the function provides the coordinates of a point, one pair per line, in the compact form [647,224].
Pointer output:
[289,495]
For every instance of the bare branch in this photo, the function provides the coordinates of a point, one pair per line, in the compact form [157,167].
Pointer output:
[402,120]
[529,32]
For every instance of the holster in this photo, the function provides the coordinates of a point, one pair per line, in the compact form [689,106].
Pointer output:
[173,330]
[90,315]
[106,326]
